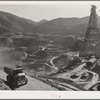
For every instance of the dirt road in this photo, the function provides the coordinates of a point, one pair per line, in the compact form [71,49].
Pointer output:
[33,84]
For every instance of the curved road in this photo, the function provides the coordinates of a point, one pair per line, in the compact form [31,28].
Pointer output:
[93,80]
[79,70]
[53,66]
[33,84]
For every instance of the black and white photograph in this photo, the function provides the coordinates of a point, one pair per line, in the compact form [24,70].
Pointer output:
[50,46]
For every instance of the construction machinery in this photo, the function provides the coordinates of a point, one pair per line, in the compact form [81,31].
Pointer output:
[15,76]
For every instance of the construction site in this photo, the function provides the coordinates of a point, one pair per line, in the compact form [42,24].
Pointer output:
[77,71]
[53,68]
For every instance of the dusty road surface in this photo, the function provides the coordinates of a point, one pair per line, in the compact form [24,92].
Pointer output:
[33,84]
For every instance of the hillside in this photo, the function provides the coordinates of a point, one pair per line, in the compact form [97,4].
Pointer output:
[14,22]
[59,26]
[42,22]
[29,33]
[64,26]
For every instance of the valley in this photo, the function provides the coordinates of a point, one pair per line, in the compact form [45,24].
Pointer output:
[61,54]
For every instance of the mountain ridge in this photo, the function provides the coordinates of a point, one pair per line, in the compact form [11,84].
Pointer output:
[59,26]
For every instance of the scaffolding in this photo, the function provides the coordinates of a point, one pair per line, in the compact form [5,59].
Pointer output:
[92,33]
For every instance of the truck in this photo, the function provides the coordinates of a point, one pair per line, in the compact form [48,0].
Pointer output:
[15,76]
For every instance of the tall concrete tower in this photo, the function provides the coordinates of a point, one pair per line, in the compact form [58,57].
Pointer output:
[92,34]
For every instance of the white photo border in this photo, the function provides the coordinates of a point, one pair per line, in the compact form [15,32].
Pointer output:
[49,94]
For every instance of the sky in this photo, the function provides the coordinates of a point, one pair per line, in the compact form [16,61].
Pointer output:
[38,10]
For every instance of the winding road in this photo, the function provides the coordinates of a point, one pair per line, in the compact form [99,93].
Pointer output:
[91,79]
[51,62]
[79,70]
[33,84]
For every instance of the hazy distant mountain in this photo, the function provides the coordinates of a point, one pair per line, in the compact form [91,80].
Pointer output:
[11,24]
[42,22]
[65,26]
[59,26]
[14,22]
